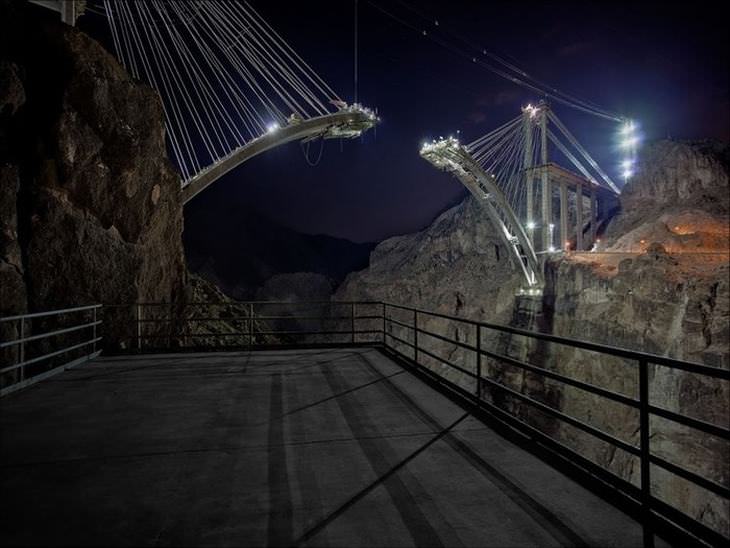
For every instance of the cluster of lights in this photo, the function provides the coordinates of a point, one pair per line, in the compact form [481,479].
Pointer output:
[357,107]
[273,127]
[532,291]
[531,110]
[441,153]
[629,141]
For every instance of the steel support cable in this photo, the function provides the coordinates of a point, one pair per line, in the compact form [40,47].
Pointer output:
[564,130]
[210,59]
[113,28]
[270,48]
[196,77]
[219,25]
[246,110]
[256,62]
[497,153]
[268,55]
[502,166]
[276,63]
[170,120]
[244,107]
[513,67]
[554,139]
[487,142]
[296,70]
[128,43]
[222,25]
[477,142]
[165,61]
[250,79]
[488,147]
[492,68]
[167,88]
[510,167]
[316,79]
[513,168]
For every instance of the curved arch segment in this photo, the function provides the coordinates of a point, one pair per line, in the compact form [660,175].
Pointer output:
[343,124]
[448,155]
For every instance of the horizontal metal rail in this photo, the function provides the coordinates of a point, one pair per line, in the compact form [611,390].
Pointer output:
[17,375]
[651,509]
[252,314]
[50,334]
[50,313]
[447,362]
[585,345]
[562,378]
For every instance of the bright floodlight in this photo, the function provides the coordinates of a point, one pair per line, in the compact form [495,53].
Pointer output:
[631,141]
[531,225]
[271,128]
[551,249]
[626,164]
[628,128]
[627,173]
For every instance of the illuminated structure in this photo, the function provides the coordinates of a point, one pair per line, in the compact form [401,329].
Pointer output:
[231,87]
[508,171]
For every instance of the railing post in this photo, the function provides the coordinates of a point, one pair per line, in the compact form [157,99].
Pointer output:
[139,327]
[385,343]
[352,322]
[22,348]
[250,325]
[415,335]
[479,362]
[645,453]
[93,345]
[170,325]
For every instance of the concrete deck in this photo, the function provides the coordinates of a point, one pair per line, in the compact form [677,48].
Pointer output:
[313,447]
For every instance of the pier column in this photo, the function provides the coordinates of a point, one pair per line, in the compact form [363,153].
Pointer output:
[579,217]
[594,219]
[564,216]
[547,195]
[527,164]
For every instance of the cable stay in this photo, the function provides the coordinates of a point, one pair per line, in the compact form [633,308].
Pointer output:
[506,70]
[231,86]
[509,173]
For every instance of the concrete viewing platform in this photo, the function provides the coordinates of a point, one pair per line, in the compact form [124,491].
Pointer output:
[333,447]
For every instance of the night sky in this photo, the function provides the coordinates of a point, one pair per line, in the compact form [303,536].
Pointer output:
[663,64]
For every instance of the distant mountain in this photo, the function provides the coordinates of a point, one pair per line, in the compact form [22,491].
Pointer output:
[239,249]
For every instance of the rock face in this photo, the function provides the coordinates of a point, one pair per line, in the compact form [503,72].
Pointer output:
[457,266]
[90,205]
[660,285]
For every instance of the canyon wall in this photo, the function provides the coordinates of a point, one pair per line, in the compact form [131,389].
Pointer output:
[658,283]
[90,208]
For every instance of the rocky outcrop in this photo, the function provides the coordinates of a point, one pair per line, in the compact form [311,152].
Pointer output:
[660,285]
[91,208]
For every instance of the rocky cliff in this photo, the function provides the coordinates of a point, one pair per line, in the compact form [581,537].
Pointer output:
[659,283]
[90,206]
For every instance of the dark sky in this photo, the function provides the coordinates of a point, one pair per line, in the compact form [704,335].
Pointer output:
[662,64]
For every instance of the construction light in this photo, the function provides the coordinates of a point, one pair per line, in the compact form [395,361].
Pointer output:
[628,127]
[629,142]
[628,173]
[551,249]
[531,225]
[626,164]
[271,128]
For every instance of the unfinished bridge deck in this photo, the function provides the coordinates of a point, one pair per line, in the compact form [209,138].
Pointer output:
[326,447]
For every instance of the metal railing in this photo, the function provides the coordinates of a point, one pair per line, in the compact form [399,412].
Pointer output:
[149,327]
[408,333]
[37,349]
[652,511]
